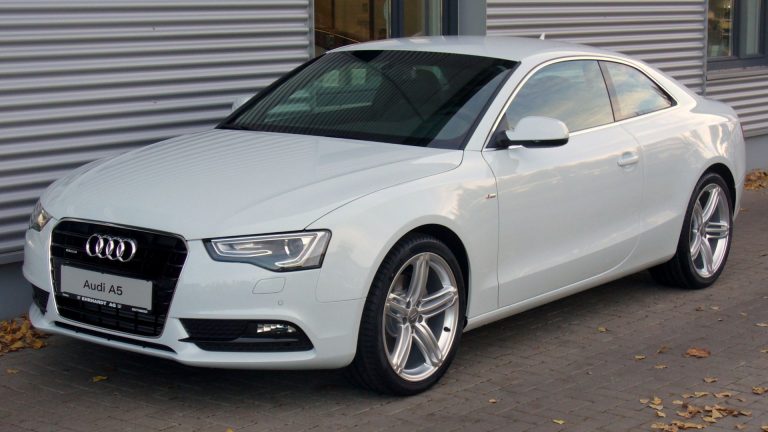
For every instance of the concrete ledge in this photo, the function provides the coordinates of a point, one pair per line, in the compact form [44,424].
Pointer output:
[15,293]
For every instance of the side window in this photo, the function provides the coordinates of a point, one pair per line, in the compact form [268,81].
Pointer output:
[573,92]
[635,93]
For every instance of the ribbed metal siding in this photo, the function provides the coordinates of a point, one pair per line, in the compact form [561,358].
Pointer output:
[748,95]
[666,34]
[80,80]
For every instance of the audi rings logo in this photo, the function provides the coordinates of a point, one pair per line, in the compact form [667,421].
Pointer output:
[111,248]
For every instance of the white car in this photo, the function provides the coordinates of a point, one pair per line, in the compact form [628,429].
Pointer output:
[378,201]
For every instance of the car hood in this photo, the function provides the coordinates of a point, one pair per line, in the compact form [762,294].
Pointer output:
[223,183]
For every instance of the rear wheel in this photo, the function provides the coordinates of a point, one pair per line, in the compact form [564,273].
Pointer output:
[705,239]
[413,318]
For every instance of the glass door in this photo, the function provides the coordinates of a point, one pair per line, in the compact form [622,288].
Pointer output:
[344,22]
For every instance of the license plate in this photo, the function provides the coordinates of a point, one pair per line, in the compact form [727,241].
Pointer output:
[106,289]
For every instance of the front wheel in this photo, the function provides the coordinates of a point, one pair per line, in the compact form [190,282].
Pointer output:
[412,320]
[705,239]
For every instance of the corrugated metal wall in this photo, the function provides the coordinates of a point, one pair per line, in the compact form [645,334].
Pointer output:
[80,80]
[666,34]
[748,95]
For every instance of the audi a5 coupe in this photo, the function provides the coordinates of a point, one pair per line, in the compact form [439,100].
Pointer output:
[378,201]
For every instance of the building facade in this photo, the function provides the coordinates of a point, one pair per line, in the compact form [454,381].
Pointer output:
[86,79]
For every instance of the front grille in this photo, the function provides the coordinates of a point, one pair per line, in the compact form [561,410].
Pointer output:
[159,259]
[40,297]
[110,337]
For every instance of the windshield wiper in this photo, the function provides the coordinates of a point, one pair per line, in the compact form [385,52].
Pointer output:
[231,126]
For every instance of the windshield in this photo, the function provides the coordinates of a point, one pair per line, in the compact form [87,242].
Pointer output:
[402,97]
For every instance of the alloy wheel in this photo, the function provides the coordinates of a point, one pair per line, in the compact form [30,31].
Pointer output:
[710,230]
[421,315]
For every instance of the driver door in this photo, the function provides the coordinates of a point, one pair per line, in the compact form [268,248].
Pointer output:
[567,213]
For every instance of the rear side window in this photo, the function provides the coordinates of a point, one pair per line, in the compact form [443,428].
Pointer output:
[571,91]
[635,93]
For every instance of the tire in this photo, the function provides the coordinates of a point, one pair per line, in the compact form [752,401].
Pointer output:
[395,353]
[705,239]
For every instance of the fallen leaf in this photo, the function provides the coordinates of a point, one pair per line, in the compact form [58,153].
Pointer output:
[493,401]
[639,357]
[756,180]
[743,314]
[740,426]
[759,390]
[660,366]
[99,378]
[697,352]
[657,407]
[688,425]
[715,308]
[709,419]
[746,413]
[662,349]
[602,329]
[700,394]
[229,430]
[710,380]
[644,401]
[17,334]
[677,402]
[558,421]
[11,371]
[656,400]
[660,414]
[687,395]
[762,324]
[723,395]
[764,350]
[764,428]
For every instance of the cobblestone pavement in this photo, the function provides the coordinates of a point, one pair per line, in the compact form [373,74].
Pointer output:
[520,374]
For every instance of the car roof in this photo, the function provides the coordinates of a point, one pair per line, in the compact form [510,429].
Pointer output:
[504,47]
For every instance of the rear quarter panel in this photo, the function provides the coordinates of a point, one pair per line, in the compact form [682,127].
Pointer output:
[678,146]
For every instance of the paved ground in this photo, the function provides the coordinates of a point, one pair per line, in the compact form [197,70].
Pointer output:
[519,374]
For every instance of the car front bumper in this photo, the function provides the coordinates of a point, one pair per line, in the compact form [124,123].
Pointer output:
[213,290]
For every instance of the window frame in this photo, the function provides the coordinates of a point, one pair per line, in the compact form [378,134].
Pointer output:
[488,144]
[734,61]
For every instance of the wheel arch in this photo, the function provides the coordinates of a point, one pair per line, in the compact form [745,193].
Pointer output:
[454,243]
[723,171]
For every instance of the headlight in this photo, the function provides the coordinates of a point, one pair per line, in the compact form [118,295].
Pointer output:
[277,252]
[39,217]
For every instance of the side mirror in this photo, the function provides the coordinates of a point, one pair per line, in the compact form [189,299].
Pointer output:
[534,132]
[239,101]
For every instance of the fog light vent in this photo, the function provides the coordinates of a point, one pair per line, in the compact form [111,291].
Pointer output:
[245,335]
[40,297]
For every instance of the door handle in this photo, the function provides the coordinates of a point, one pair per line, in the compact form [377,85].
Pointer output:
[628,158]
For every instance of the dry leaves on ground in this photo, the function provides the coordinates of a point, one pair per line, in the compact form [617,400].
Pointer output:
[697,352]
[710,380]
[759,390]
[558,421]
[756,180]
[17,334]
[99,378]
